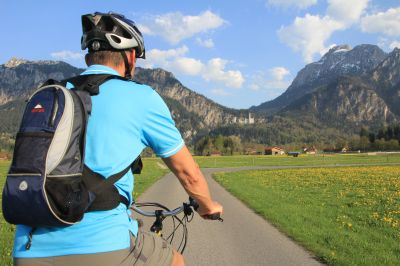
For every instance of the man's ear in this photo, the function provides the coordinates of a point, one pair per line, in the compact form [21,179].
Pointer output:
[133,56]
[132,61]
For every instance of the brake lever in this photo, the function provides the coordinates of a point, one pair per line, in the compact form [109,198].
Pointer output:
[193,203]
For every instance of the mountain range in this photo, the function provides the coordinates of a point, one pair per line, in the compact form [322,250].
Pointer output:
[363,91]
[328,100]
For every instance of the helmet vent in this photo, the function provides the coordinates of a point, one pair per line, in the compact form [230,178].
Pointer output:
[115,39]
[107,24]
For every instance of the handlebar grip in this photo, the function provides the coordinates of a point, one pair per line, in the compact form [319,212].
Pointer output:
[214,216]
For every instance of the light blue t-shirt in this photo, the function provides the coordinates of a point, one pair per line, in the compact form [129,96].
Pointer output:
[126,117]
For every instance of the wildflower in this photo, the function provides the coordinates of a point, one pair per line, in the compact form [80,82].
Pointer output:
[349,225]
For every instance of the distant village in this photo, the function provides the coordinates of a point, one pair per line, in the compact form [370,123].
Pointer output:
[275,150]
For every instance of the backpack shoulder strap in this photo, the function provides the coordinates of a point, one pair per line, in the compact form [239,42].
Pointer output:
[106,195]
[91,83]
[136,168]
[52,82]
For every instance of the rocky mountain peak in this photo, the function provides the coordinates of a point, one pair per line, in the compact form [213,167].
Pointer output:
[339,49]
[341,60]
[14,62]
[18,77]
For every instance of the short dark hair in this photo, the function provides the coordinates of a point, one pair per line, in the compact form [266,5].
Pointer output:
[104,58]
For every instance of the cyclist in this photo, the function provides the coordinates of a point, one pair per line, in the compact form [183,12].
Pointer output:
[126,117]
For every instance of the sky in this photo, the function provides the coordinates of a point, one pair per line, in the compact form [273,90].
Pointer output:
[238,53]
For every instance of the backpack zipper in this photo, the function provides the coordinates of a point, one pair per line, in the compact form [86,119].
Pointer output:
[54,111]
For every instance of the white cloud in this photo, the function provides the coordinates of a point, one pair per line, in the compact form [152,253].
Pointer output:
[301,4]
[279,73]
[145,30]
[169,53]
[310,33]
[215,71]
[388,44]
[395,44]
[67,55]
[345,11]
[274,80]
[208,43]
[387,22]
[175,27]
[162,58]
[175,60]
[188,66]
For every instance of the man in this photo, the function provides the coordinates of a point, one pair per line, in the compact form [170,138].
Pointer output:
[126,117]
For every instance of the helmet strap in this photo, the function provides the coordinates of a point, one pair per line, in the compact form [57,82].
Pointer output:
[127,66]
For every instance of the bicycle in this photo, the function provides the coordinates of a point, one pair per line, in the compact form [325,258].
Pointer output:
[187,208]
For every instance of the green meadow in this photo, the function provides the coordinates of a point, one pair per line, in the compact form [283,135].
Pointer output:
[344,215]
[301,160]
[6,230]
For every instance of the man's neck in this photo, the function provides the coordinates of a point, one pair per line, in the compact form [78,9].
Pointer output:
[120,69]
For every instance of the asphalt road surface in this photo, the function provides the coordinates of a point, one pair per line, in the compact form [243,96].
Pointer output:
[244,238]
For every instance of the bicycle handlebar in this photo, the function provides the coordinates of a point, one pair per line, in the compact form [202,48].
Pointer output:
[160,214]
[186,207]
[154,213]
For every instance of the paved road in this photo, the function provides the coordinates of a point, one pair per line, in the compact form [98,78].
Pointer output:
[244,238]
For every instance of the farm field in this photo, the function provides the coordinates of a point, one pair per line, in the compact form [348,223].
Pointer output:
[302,160]
[151,173]
[344,215]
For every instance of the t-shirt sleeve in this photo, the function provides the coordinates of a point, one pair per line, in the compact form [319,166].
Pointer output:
[159,131]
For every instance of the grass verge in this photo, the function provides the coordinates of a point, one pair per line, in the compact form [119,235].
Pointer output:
[153,169]
[303,159]
[6,230]
[346,215]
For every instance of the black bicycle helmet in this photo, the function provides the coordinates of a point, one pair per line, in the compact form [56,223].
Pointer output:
[111,31]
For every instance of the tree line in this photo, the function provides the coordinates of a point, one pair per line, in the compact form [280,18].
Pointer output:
[386,138]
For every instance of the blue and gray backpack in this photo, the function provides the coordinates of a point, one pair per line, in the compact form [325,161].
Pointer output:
[48,183]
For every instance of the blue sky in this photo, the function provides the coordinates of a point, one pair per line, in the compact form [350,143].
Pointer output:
[238,53]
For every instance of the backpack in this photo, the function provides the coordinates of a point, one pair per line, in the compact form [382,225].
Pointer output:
[48,183]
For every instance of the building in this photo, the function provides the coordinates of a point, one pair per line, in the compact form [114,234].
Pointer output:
[273,151]
[311,150]
[244,120]
[5,156]
[214,153]
[251,118]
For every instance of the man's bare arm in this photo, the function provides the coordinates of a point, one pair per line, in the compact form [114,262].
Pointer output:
[187,171]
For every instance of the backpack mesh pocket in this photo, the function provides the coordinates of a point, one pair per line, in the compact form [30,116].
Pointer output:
[68,197]
[30,152]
